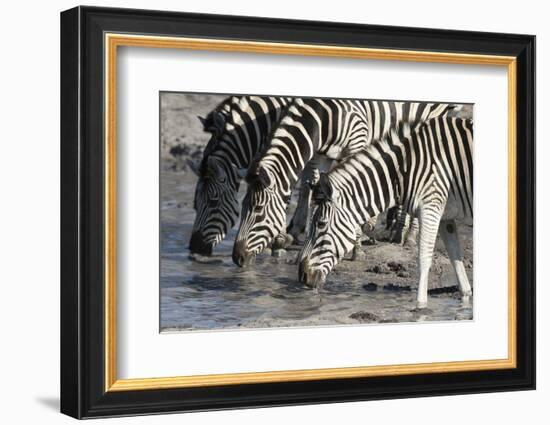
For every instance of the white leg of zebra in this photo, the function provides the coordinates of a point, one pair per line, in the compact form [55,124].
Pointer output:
[357,253]
[429,218]
[412,232]
[448,232]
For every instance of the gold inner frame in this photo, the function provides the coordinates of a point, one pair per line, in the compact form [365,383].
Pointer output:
[113,41]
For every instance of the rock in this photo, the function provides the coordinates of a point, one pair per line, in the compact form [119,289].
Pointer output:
[393,287]
[364,317]
[396,267]
[422,311]
[443,290]
[379,269]
[179,150]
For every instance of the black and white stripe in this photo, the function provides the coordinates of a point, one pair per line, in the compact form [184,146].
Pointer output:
[334,128]
[429,171]
[239,126]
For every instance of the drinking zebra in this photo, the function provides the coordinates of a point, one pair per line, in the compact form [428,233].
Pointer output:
[428,170]
[334,128]
[239,126]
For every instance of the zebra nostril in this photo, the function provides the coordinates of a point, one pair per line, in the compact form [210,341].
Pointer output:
[238,259]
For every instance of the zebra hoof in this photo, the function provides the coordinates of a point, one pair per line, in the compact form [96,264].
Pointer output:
[288,241]
[368,241]
[282,242]
[278,252]
[395,237]
[410,242]
[421,305]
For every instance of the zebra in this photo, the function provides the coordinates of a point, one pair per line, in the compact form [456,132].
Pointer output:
[428,170]
[239,126]
[312,127]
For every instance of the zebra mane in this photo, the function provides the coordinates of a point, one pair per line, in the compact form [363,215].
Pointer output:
[258,177]
[271,135]
[217,117]
[403,129]
[217,122]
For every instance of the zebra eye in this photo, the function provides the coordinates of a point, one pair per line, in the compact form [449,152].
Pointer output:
[321,224]
[258,209]
[213,202]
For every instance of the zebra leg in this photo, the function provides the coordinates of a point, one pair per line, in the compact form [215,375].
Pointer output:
[400,227]
[391,217]
[363,236]
[280,243]
[430,216]
[368,231]
[310,176]
[357,253]
[412,233]
[448,233]
[298,223]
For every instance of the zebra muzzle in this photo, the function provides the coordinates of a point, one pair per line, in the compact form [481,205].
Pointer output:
[197,245]
[241,256]
[309,277]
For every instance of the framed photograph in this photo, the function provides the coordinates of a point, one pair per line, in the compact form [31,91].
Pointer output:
[261,212]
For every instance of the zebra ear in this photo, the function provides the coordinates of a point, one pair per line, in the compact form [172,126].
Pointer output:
[194,166]
[202,120]
[219,120]
[325,187]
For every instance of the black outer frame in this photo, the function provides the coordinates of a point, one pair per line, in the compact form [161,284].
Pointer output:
[82,219]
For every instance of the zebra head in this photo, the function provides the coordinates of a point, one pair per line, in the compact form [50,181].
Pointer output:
[263,215]
[216,204]
[331,235]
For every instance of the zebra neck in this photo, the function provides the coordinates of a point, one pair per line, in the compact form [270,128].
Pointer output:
[369,182]
[298,137]
[252,118]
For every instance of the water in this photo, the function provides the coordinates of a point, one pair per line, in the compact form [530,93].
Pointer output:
[212,293]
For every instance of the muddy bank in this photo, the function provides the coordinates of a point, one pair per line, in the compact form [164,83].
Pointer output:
[181,133]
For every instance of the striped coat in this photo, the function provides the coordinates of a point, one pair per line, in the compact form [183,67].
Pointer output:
[428,170]
[334,128]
